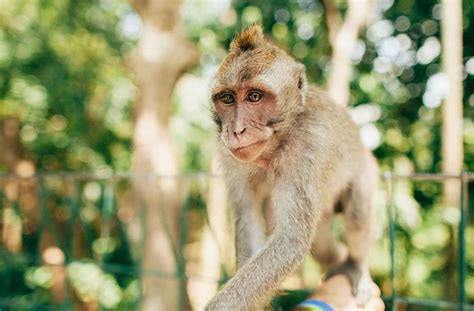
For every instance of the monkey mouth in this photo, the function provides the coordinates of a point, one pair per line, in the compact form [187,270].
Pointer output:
[248,152]
[250,145]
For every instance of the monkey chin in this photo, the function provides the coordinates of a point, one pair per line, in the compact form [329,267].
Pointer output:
[249,153]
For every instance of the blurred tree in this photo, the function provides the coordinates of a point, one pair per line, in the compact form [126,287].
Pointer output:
[161,56]
[11,157]
[452,115]
[343,35]
[62,76]
[10,141]
[63,105]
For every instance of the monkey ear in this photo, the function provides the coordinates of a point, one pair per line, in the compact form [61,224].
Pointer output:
[301,74]
[248,39]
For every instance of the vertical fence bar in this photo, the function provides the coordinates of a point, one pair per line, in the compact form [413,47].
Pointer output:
[183,234]
[15,204]
[1,205]
[143,209]
[47,220]
[5,274]
[74,205]
[107,209]
[392,236]
[42,196]
[462,243]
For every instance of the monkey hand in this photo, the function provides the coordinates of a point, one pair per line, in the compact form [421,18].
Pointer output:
[359,278]
[336,292]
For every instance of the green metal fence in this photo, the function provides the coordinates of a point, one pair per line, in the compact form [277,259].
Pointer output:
[82,224]
[461,303]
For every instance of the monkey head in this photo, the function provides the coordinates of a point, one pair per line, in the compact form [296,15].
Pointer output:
[257,95]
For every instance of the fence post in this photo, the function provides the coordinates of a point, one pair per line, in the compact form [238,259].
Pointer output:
[462,242]
[392,236]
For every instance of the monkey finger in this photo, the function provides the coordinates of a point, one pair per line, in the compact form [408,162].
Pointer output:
[375,290]
[375,304]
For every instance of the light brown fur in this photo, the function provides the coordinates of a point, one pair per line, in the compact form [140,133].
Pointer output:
[308,158]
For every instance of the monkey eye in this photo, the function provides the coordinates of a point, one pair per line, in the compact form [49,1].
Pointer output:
[227,98]
[254,96]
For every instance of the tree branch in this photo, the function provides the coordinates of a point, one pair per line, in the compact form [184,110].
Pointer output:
[343,42]
[333,20]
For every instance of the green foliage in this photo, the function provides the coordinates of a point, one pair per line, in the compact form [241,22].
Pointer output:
[62,76]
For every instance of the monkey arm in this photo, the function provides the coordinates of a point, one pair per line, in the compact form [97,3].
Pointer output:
[244,203]
[252,286]
[248,232]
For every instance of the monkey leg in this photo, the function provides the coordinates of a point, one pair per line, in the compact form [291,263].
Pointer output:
[358,235]
[326,249]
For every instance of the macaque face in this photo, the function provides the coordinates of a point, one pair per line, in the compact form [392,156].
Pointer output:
[245,115]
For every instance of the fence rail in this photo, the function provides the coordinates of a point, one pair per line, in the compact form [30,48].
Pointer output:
[87,218]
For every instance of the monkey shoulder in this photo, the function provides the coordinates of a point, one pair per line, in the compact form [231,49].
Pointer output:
[318,102]
[325,127]
[323,116]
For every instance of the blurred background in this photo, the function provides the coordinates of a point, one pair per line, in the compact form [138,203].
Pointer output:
[110,196]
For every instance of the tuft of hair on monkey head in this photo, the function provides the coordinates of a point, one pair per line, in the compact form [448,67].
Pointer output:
[249,39]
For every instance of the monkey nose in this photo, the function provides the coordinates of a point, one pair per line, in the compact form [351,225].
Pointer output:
[238,132]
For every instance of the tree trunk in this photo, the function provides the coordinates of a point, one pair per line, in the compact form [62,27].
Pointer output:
[343,36]
[161,56]
[452,118]
[452,138]
[10,157]
[24,193]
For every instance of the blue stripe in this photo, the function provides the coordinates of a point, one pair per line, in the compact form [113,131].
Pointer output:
[315,305]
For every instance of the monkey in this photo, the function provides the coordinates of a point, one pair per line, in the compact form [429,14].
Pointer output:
[283,139]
